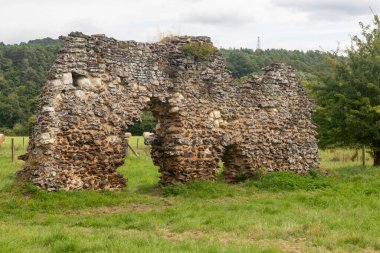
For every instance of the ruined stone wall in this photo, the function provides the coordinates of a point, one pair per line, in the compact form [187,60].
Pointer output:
[98,86]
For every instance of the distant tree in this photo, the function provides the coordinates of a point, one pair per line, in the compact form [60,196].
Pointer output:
[147,124]
[349,100]
[31,122]
[242,62]
[23,72]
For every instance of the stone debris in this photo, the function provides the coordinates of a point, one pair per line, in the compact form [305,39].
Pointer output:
[98,86]
[148,138]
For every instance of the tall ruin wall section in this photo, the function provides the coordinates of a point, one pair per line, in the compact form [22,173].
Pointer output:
[98,86]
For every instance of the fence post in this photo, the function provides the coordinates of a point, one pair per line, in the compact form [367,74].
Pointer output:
[127,145]
[363,155]
[13,149]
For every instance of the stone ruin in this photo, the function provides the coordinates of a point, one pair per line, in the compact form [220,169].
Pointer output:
[98,86]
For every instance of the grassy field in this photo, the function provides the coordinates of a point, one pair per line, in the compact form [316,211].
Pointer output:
[338,211]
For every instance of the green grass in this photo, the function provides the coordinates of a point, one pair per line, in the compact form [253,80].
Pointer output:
[336,211]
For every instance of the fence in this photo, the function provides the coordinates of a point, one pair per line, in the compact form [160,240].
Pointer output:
[12,147]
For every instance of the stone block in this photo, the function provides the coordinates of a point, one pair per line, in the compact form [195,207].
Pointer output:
[67,78]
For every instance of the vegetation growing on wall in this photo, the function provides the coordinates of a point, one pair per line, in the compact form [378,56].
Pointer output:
[200,52]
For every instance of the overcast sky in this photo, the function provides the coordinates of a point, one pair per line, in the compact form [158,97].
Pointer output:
[290,24]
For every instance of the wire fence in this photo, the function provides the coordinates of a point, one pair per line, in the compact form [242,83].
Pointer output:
[13,146]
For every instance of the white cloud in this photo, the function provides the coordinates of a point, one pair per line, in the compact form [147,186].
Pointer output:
[292,24]
[331,10]
[217,19]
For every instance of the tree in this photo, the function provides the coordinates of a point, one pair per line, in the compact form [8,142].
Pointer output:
[242,62]
[23,72]
[348,112]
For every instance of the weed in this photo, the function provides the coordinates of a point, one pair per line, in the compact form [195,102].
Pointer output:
[172,190]
[200,52]
[288,181]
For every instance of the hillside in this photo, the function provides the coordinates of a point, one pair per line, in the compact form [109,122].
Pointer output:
[23,71]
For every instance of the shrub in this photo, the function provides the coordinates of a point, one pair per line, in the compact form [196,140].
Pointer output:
[172,190]
[7,131]
[20,129]
[259,173]
[200,52]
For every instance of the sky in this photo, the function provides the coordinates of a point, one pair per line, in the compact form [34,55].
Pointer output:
[289,24]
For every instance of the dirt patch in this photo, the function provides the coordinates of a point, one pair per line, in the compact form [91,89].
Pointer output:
[189,234]
[286,246]
[104,210]
[297,245]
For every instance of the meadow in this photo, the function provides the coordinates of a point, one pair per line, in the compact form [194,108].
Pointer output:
[335,209]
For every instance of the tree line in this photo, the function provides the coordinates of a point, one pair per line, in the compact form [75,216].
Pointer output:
[244,61]
[23,72]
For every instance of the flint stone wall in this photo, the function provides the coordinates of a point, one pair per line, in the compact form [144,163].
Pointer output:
[98,86]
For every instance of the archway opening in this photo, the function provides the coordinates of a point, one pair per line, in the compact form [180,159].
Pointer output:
[139,167]
[149,157]
[236,164]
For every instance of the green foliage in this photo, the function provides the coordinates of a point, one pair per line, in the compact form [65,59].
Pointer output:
[259,173]
[288,181]
[23,71]
[242,62]
[349,98]
[172,190]
[7,131]
[20,129]
[147,124]
[200,52]
[31,122]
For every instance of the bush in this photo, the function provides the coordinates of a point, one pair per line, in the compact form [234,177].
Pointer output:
[173,190]
[139,128]
[20,129]
[200,52]
[7,131]
[259,173]
[147,124]
[17,130]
